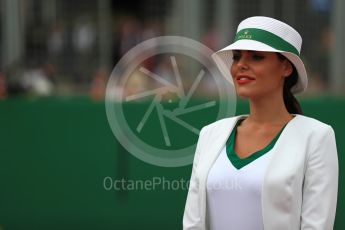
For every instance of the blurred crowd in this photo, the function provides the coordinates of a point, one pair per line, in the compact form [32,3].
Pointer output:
[64,58]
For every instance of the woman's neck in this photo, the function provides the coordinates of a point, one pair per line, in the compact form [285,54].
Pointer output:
[268,110]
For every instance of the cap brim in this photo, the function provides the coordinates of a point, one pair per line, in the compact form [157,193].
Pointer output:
[226,56]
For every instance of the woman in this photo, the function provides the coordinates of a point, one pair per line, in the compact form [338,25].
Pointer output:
[273,169]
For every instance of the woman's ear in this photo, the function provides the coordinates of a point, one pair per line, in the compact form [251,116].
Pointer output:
[287,68]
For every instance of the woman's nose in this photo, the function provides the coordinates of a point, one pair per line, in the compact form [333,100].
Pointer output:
[242,63]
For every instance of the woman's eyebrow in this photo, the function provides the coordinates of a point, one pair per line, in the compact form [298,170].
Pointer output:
[248,51]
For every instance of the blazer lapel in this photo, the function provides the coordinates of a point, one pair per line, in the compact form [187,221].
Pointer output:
[219,136]
[216,140]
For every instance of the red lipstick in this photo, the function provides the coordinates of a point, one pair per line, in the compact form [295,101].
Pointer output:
[244,79]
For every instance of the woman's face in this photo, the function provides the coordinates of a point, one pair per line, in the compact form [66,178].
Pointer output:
[258,73]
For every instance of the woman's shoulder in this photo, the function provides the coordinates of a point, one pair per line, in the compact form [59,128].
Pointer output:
[308,125]
[221,125]
[311,123]
[222,122]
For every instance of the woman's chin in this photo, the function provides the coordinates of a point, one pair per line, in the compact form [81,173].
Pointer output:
[244,93]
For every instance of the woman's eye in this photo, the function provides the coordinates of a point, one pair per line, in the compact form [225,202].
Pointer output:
[258,57]
[236,57]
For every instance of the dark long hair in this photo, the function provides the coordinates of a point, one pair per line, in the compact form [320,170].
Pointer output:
[291,103]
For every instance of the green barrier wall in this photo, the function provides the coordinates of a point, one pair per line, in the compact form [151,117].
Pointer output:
[56,155]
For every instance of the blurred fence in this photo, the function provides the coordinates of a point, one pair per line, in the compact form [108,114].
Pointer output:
[61,47]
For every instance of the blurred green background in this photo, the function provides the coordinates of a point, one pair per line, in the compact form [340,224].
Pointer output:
[58,155]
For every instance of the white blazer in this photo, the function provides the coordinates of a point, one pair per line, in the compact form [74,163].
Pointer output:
[300,185]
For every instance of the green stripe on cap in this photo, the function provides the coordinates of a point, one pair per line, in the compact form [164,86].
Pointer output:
[267,38]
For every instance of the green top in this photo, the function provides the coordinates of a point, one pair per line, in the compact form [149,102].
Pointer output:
[241,162]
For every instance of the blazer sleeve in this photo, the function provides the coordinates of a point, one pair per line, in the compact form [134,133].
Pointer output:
[192,218]
[320,185]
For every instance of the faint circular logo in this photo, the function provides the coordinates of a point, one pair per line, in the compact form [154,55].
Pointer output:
[161,93]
